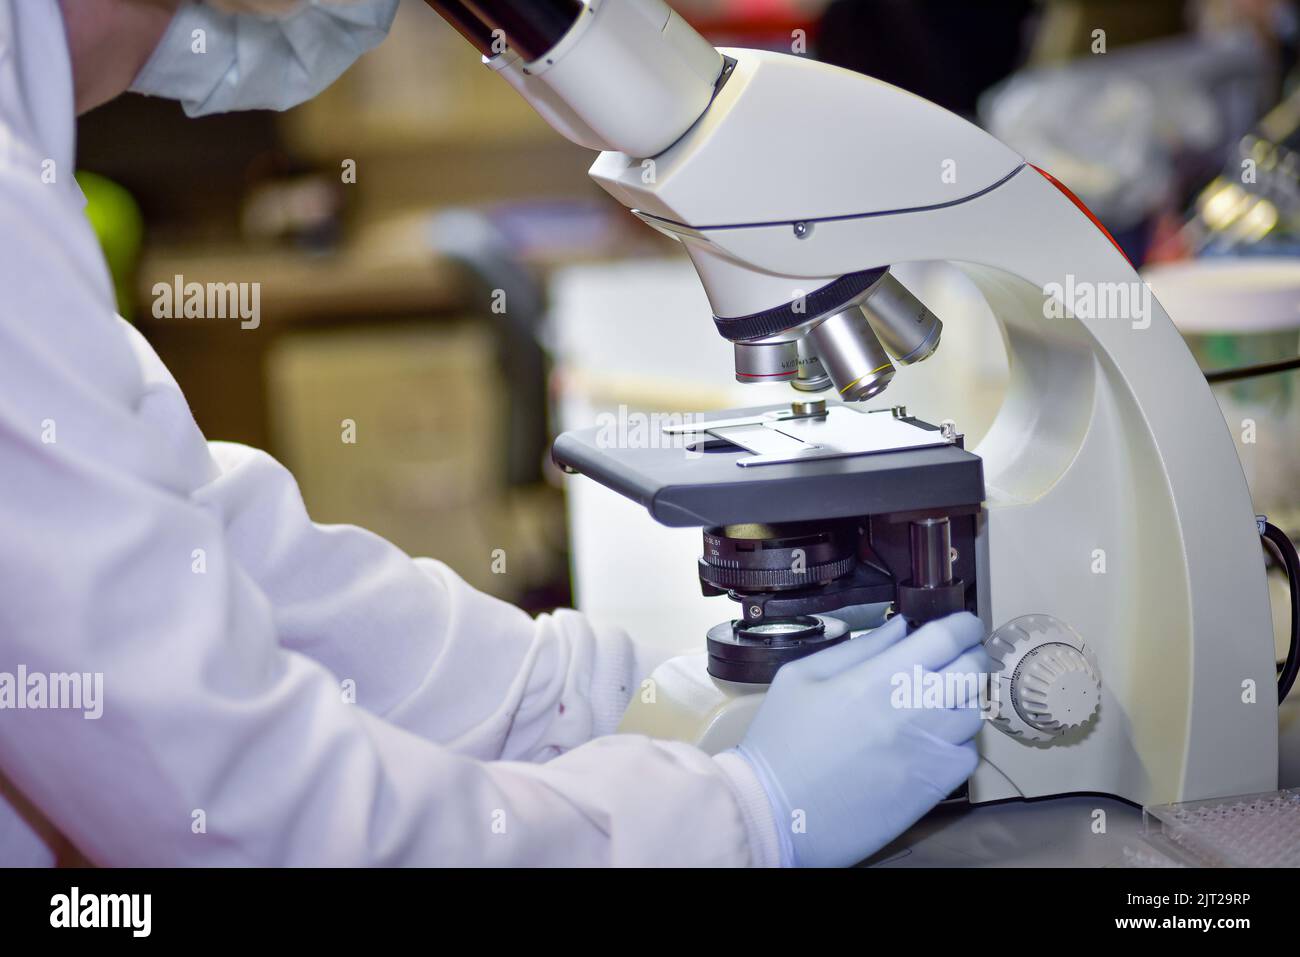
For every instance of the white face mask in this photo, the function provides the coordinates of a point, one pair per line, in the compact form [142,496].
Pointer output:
[274,55]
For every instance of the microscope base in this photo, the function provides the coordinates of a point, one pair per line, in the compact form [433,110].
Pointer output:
[681,701]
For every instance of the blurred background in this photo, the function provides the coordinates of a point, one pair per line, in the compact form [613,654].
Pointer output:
[437,270]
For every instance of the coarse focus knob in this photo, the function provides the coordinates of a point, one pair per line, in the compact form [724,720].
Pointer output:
[1056,688]
[1048,681]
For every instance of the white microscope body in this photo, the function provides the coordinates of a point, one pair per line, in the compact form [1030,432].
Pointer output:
[1116,510]
[1116,503]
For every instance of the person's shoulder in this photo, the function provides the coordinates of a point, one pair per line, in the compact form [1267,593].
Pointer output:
[37,121]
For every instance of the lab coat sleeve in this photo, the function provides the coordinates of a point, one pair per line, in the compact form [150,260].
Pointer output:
[415,643]
[213,744]
[201,739]
[217,746]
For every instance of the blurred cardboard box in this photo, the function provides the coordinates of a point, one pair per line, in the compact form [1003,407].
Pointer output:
[400,431]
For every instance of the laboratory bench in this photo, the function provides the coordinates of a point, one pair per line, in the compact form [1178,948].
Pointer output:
[1051,832]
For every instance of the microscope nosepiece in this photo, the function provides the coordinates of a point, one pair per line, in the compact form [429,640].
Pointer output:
[851,355]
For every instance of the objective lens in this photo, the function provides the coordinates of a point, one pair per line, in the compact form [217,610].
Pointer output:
[908,331]
[766,361]
[812,376]
[852,355]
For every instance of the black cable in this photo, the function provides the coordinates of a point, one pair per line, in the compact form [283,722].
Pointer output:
[1249,372]
[1291,562]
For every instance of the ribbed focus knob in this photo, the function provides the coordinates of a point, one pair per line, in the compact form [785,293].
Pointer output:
[1056,688]
[1048,681]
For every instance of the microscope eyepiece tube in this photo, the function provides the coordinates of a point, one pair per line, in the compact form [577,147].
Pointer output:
[630,76]
[851,355]
[467,22]
[530,27]
[907,329]
[635,72]
[766,361]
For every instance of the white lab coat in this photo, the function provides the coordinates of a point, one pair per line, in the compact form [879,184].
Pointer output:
[471,739]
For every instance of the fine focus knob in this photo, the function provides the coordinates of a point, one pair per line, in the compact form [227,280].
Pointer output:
[1056,688]
[1048,681]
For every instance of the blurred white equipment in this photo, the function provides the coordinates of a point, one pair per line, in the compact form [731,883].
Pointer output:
[1238,312]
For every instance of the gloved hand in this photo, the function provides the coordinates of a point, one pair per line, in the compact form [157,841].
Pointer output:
[845,768]
[215,61]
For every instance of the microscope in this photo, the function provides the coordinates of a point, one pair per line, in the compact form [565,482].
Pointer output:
[1102,530]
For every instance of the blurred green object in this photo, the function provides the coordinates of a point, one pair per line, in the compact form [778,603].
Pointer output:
[117,222]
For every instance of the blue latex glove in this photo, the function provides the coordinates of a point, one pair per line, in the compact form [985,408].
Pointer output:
[214,61]
[845,769]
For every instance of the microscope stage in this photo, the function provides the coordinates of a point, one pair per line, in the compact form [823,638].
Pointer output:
[767,465]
